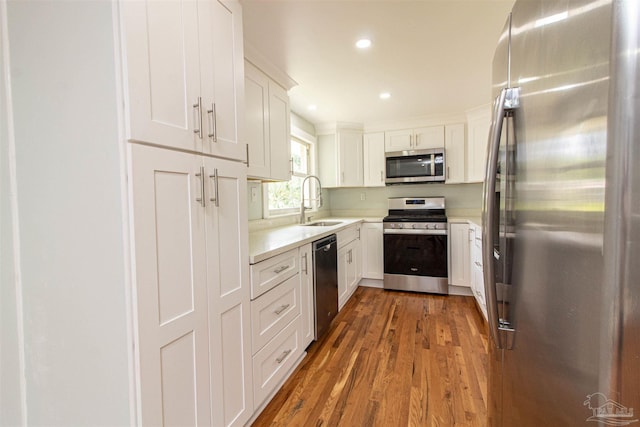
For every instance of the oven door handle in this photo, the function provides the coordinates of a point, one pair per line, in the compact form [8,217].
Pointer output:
[422,232]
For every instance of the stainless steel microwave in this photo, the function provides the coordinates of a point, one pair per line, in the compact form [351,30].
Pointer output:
[415,166]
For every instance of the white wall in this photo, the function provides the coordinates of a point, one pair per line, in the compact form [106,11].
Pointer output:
[70,216]
[461,199]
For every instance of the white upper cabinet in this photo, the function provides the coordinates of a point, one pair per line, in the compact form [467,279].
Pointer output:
[340,159]
[268,122]
[478,121]
[374,162]
[415,139]
[279,132]
[256,90]
[455,156]
[184,75]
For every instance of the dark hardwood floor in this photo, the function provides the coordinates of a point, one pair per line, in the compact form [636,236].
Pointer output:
[391,359]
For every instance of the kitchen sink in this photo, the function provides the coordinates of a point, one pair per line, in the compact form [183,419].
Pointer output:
[322,223]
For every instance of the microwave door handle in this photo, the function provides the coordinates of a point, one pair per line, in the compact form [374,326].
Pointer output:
[433,165]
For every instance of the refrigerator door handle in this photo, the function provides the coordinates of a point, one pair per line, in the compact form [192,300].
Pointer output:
[507,101]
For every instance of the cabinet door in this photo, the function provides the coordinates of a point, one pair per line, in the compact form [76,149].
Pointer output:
[374,162]
[279,132]
[307,296]
[227,244]
[460,273]
[372,251]
[455,155]
[343,275]
[163,73]
[256,90]
[356,266]
[477,144]
[350,158]
[428,137]
[398,140]
[170,281]
[222,75]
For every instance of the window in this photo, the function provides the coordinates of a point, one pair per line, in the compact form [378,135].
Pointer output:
[284,197]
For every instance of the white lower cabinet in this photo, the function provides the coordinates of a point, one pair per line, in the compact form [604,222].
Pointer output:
[459,255]
[307,295]
[191,286]
[349,263]
[372,250]
[272,363]
[477,274]
[277,321]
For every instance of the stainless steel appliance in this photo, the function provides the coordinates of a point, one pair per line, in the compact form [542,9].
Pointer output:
[561,206]
[415,166]
[325,282]
[415,245]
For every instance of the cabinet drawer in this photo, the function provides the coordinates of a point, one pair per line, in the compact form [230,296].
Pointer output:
[271,364]
[348,235]
[269,273]
[273,311]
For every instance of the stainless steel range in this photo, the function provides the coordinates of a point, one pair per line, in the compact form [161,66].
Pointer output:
[415,245]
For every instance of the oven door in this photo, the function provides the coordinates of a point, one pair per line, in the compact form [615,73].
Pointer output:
[416,261]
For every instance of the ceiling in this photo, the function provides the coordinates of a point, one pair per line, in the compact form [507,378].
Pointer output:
[433,56]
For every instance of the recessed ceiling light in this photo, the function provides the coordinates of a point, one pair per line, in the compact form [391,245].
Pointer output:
[385,95]
[312,107]
[363,43]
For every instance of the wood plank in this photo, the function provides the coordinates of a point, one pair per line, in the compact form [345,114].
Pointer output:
[391,358]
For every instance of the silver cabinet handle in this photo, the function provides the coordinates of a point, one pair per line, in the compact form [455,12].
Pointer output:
[342,179]
[507,96]
[304,256]
[197,108]
[212,123]
[414,269]
[447,172]
[280,269]
[410,140]
[215,197]
[282,308]
[477,263]
[247,155]
[201,176]
[283,356]
[381,176]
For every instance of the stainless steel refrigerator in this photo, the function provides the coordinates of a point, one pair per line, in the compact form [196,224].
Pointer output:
[561,216]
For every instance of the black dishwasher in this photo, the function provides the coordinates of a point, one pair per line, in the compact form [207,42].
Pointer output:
[325,282]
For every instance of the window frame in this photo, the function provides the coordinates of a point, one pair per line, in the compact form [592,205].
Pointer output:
[310,141]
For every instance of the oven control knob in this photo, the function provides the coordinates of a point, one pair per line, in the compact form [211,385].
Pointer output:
[431,226]
[414,226]
[400,226]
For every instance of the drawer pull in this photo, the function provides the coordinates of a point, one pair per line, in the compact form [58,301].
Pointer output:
[281,309]
[280,269]
[283,356]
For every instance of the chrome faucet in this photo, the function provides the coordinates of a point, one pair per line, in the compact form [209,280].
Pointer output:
[318,199]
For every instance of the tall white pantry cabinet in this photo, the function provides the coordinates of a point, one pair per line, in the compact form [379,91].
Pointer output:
[185,79]
[125,288]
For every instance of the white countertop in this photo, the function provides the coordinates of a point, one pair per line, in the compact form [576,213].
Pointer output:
[264,244]
[466,219]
